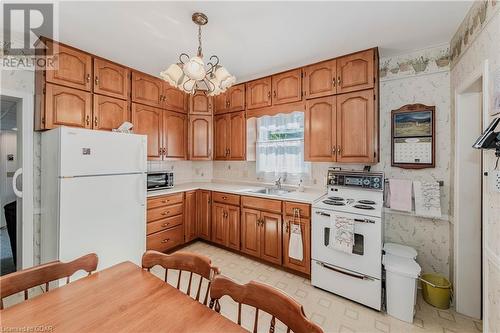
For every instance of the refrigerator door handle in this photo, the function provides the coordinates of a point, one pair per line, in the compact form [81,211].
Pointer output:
[17,192]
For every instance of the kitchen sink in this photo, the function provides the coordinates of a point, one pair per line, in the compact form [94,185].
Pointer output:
[271,191]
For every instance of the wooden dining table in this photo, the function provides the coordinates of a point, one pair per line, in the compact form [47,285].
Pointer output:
[122,298]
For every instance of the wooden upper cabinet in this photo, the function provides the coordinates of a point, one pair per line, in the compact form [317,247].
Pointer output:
[320,129]
[203,211]
[147,89]
[220,103]
[174,99]
[147,120]
[233,226]
[174,135]
[259,93]
[237,137]
[236,98]
[250,232]
[221,132]
[287,87]
[73,68]
[109,112]
[190,216]
[270,241]
[67,107]
[200,137]
[200,104]
[356,71]
[320,79]
[356,135]
[111,79]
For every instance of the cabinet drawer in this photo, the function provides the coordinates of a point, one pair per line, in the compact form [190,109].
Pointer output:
[164,240]
[163,224]
[304,209]
[163,212]
[165,200]
[231,199]
[262,204]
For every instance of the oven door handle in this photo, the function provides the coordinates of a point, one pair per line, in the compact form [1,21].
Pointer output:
[322,214]
[355,220]
[341,271]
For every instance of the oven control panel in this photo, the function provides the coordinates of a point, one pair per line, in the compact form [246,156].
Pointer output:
[366,180]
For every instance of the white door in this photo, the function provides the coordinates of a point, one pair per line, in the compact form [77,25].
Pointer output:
[105,215]
[89,152]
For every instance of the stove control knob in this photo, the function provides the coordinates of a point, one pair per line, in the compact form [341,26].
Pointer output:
[366,181]
[376,185]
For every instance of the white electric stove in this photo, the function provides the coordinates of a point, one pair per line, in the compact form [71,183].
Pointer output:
[357,275]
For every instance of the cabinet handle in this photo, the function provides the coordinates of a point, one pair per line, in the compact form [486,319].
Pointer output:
[88,77]
[165,240]
[269,94]
[165,151]
[287,227]
[338,81]
[165,224]
[95,121]
[339,150]
[274,94]
[165,201]
[96,80]
[224,197]
[87,120]
[166,213]
[333,82]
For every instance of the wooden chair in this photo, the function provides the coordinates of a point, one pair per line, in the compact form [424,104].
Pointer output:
[25,279]
[265,298]
[183,261]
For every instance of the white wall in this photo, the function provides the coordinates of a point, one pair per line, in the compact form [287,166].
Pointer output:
[7,146]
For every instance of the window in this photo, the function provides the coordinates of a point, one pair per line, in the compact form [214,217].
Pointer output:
[280,146]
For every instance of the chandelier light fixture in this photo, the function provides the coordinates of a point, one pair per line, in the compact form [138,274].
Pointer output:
[191,74]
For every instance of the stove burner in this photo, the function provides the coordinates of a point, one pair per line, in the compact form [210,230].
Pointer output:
[336,198]
[366,207]
[366,202]
[334,202]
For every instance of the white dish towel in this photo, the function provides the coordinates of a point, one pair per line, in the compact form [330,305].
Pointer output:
[341,233]
[295,246]
[427,199]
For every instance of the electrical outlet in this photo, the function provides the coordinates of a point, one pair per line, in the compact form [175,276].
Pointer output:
[494,180]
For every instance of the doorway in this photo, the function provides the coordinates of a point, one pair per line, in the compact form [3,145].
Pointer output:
[16,180]
[470,115]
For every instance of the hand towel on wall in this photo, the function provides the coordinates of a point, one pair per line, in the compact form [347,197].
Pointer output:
[341,233]
[427,199]
[295,246]
[400,194]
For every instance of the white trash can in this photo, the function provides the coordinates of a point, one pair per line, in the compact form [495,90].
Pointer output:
[400,250]
[401,286]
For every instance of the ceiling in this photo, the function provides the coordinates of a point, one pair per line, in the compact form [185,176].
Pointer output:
[255,38]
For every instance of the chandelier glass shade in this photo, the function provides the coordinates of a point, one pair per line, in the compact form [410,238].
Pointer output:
[191,74]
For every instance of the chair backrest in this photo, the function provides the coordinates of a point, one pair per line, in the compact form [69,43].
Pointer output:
[183,261]
[25,279]
[265,298]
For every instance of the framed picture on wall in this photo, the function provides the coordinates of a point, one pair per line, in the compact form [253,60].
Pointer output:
[413,137]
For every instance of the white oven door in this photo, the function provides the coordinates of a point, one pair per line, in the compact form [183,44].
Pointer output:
[366,256]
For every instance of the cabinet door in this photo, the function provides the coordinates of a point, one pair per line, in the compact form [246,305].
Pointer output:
[250,232]
[73,68]
[190,216]
[200,104]
[174,99]
[204,216]
[200,138]
[109,112]
[174,135]
[220,103]
[219,228]
[303,265]
[320,79]
[320,131]
[259,93]
[233,226]
[236,98]
[287,87]
[237,136]
[67,107]
[111,79]
[221,131]
[270,239]
[356,72]
[146,89]
[356,127]
[147,120]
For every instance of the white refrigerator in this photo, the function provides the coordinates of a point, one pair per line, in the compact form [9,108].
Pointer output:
[93,195]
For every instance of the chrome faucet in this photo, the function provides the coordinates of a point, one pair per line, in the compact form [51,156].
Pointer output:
[278,183]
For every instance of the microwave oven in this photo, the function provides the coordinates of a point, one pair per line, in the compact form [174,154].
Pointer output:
[160,180]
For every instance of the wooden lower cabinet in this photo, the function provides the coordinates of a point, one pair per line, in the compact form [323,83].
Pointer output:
[226,225]
[165,222]
[203,212]
[166,239]
[218,223]
[303,265]
[190,218]
[233,227]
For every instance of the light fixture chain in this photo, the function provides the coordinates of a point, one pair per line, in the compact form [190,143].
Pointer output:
[200,54]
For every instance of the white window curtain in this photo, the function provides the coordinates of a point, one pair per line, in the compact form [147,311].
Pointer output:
[280,147]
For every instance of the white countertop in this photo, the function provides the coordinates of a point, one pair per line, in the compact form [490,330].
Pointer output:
[308,196]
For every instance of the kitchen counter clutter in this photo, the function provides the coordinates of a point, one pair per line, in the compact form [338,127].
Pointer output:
[238,217]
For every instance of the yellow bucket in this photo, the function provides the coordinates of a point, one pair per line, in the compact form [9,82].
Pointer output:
[436,290]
